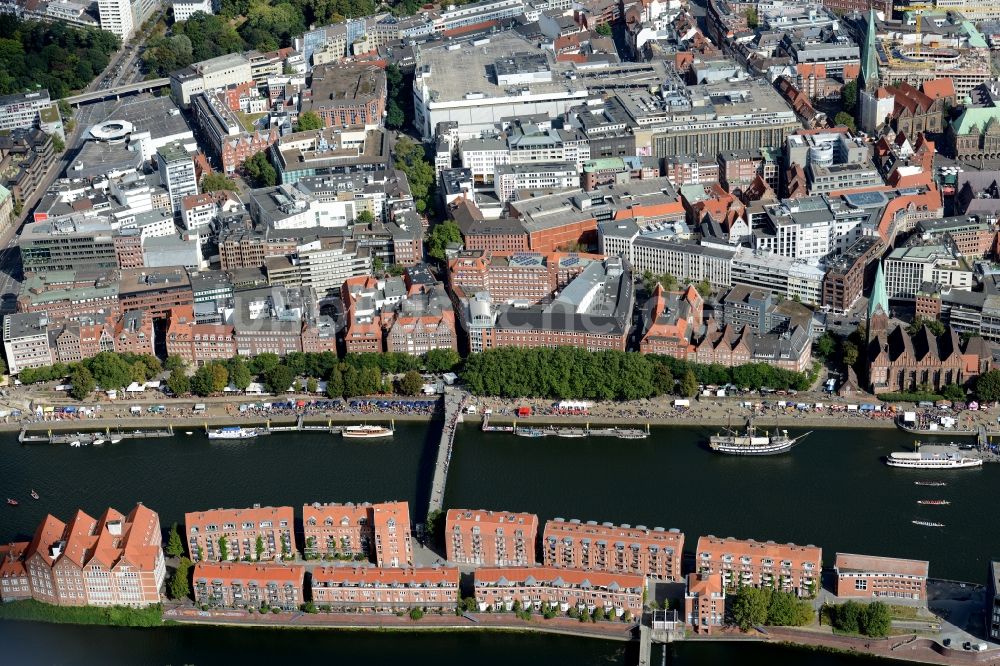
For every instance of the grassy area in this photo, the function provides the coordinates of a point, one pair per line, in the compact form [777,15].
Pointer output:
[248,119]
[906,613]
[116,616]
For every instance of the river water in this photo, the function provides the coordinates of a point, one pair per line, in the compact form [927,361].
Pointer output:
[832,491]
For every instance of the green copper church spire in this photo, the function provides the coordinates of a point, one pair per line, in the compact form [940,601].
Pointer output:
[869,57]
[878,302]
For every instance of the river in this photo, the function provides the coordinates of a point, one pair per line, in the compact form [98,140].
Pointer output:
[832,491]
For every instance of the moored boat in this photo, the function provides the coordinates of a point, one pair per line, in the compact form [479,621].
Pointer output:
[98,441]
[366,432]
[233,432]
[752,444]
[115,440]
[571,432]
[75,444]
[529,432]
[931,460]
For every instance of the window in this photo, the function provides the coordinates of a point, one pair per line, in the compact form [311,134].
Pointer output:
[861,584]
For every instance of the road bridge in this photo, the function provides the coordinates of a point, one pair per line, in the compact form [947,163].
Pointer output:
[117,91]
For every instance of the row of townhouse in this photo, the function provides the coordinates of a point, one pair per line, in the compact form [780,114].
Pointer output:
[380,532]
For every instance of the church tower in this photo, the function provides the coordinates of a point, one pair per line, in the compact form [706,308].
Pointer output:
[873,105]
[878,306]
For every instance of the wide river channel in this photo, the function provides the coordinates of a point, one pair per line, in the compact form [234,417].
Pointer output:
[832,491]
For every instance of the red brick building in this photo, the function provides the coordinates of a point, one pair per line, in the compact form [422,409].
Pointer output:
[376,589]
[377,531]
[238,530]
[132,332]
[198,343]
[613,548]
[523,276]
[559,589]
[705,602]
[747,562]
[14,582]
[873,577]
[154,290]
[347,94]
[114,560]
[249,585]
[490,538]
[128,249]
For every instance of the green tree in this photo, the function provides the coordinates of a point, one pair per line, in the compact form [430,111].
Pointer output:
[953,392]
[180,587]
[704,288]
[278,379]
[259,170]
[58,145]
[416,613]
[175,547]
[335,383]
[689,384]
[174,362]
[844,119]
[847,617]
[83,382]
[411,159]
[259,547]
[411,383]
[988,386]
[825,346]
[312,385]
[750,607]
[663,379]
[308,120]
[223,548]
[214,182]
[178,382]
[849,96]
[603,29]
[209,378]
[875,620]
[109,370]
[239,373]
[364,217]
[850,353]
[441,360]
[919,323]
[440,237]
[752,20]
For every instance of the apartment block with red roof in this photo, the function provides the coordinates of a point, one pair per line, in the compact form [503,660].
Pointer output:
[240,528]
[874,577]
[704,602]
[116,560]
[198,343]
[760,564]
[378,531]
[562,589]
[377,589]
[613,548]
[248,585]
[14,582]
[490,538]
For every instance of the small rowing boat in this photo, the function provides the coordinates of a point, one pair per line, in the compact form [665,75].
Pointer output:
[930,483]
[34,495]
[926,523]
[12,502]
[934,502]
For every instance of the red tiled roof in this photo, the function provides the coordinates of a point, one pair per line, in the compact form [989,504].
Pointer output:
[874,563]
[483,517]
[548,575]
[938,88]
[247,571]
[386,576]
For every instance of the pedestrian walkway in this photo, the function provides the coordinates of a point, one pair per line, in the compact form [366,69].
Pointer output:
[454,402]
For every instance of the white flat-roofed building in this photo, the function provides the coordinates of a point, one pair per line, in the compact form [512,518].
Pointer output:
[26,341]
[510,178]
[183,10]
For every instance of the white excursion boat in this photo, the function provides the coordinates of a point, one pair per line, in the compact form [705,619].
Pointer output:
[233,432]
[931,460]
[366,431]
